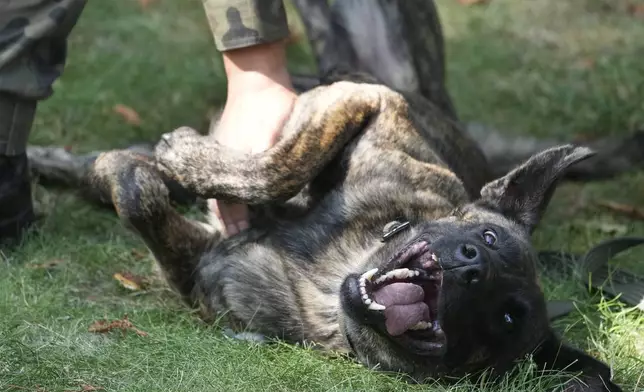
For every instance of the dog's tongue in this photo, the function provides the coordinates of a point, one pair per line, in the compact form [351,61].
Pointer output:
[404,306]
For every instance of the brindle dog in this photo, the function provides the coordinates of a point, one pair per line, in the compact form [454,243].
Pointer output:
[377,229]
[374,233]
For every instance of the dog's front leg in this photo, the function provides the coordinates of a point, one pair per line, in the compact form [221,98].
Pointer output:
[323,121]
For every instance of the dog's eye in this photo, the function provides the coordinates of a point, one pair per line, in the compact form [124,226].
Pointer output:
[393,228]
[507,318]
[489,237]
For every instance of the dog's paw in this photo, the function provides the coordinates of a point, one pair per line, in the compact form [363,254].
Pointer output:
[181,141]
[176,152]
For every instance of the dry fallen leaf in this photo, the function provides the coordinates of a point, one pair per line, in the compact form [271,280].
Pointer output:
[623,209]
[145,3]
[86,388]
[129,115]
[636,10]
[131,281]
[586,63]
[37,388]
[124,324]
[473,2]
[46,265]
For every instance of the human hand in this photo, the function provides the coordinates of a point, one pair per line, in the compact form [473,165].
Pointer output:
[255,111]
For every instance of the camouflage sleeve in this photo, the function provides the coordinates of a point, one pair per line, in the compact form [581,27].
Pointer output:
[241,23]
[33,44]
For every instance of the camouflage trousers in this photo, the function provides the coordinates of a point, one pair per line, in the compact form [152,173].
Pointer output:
[33,50]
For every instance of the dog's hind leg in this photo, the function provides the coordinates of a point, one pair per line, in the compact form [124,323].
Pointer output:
[135,187]
[322,122]
[329,42]
[399,42]
[57,166]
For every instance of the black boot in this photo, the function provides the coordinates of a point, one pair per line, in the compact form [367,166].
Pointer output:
[16,207]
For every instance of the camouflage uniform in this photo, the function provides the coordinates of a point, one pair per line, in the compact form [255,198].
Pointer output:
[33,35]
[241,23]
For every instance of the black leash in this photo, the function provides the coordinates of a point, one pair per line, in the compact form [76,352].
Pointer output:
[594,269]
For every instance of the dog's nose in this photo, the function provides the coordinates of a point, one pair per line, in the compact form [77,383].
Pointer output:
[467,253]
[472,262]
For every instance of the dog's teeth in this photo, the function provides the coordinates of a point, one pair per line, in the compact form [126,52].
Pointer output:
[375,306]
[362,282]
[365,297]
[363,291]
[420,325]
[381,279]
[433,260]
[369,274]
[367,302]
[400,273]
[388,276]
[404,273]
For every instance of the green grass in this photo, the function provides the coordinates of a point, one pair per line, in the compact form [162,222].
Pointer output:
[545,68]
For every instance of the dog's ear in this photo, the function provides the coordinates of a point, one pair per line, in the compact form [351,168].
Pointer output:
[594,375]
[524,193]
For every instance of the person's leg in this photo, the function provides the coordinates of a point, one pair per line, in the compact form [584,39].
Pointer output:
[251,36]
[33,36]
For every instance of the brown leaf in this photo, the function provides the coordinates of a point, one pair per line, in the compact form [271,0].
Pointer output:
[586,63]
[146,3]
[46,265]
[473,2]
[99,326]
[129,115]
[131,281]
[37,388]
[623,209]
[637,10]
[86,388]
[124,324]
[16,387]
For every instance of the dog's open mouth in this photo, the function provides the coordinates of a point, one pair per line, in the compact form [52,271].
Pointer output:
[407,291]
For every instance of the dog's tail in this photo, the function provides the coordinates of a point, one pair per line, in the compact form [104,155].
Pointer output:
[137,190]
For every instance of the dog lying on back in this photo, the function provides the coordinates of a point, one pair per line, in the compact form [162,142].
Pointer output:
[374,233]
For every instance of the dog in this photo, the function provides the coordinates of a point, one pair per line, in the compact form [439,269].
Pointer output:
[376,231]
